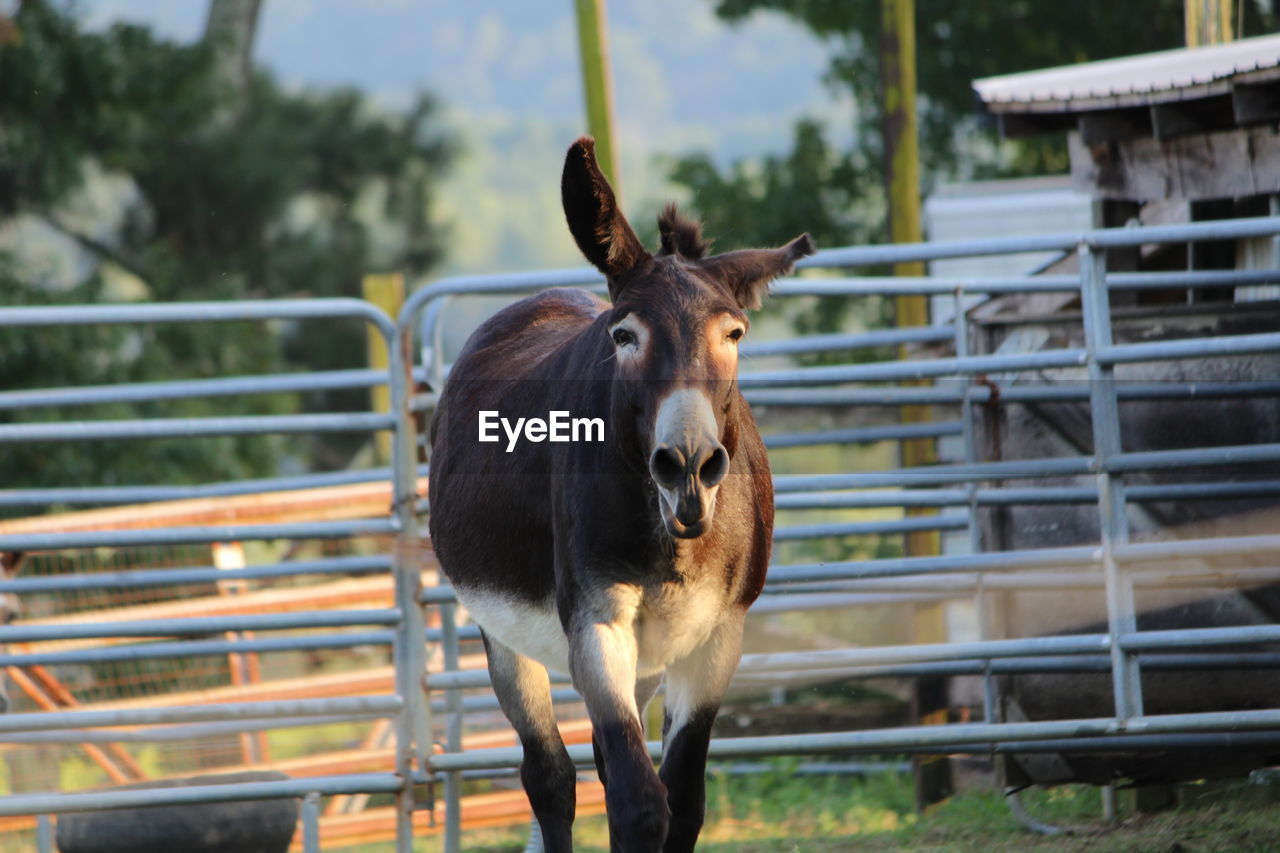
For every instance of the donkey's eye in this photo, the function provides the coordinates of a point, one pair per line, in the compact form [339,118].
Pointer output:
[736,334]
[624,338]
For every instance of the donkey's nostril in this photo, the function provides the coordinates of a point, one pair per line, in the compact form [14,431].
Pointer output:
[667,466]
[715,468]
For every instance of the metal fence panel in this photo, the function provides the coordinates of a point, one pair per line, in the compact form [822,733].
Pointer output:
[969,381]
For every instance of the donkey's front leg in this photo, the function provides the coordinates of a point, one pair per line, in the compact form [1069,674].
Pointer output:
[524,692]
[645,688]
[695,687]
[602,660]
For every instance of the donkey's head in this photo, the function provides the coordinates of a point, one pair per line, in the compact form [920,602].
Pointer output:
[676,322]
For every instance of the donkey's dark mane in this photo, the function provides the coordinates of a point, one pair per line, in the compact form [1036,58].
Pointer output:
[680,234]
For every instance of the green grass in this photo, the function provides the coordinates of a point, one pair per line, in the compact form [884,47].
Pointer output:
[780,812]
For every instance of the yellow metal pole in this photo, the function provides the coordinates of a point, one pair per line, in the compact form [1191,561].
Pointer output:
[386,290]
[593,46]
[1208,22]
[902,177]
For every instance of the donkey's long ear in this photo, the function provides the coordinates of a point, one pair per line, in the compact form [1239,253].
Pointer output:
[750,271]
[598,226]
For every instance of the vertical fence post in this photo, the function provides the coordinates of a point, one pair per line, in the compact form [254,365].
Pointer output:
[966,419]
[413,727]
[453,731]
[1109,811]
[44,834]
[244,667]
[990,700]
[1114,527]
[433,342]
[311,823]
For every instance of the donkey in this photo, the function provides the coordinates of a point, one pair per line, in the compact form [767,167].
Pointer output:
[621,559]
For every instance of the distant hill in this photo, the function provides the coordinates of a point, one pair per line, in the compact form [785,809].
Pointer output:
[508,70]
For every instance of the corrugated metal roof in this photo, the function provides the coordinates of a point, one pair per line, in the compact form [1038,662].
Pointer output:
[1170,75]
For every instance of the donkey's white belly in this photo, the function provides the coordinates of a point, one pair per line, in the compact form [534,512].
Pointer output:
[532,630]
[668,626]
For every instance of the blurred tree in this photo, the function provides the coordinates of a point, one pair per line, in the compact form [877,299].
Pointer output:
[230,192]
[228,31]
[812,188]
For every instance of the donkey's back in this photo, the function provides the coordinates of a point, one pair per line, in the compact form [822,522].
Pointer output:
[491,512]
[513,343]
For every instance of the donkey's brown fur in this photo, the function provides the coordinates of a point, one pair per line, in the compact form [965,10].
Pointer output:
[621,560]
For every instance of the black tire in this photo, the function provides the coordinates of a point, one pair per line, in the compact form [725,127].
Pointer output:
[241,826]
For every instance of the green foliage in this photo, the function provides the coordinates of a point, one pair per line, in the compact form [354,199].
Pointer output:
[958,43]
[829,194]
[262,193]
[812,189]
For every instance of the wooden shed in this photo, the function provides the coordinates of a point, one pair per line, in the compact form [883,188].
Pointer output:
[1189,125]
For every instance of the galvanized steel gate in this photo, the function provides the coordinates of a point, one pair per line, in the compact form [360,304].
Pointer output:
[1114,563]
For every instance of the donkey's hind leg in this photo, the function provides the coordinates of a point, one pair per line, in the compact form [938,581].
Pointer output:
[524,692]
[695,688]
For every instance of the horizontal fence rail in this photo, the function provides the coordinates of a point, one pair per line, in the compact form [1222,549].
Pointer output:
[61,803]
[193,427]
[200,648]
[194,713]
[107,495]
[233,386]
[932,739]
[187,535]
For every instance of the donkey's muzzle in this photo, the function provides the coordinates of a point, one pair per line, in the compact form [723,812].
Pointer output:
[672,467]
[688,462]
[688,477]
